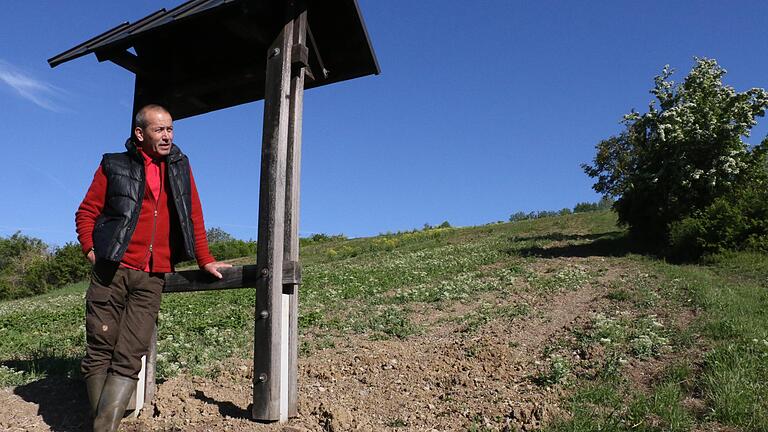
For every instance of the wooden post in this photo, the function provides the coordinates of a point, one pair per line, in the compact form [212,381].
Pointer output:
[293,174]
[270,354]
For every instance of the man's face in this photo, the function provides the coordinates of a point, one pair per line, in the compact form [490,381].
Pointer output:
[157,137]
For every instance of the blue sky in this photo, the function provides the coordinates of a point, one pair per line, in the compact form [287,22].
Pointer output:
[483,108]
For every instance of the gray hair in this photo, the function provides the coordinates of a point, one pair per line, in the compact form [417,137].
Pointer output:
[141,117]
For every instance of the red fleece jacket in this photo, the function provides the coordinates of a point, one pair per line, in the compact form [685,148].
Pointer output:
[149,248]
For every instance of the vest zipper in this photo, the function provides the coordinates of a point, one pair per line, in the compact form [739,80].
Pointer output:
[152,239]
[154,219]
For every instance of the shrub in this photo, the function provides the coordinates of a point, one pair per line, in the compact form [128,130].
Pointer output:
[518,216]
[224,246]
[605,203]
[22,266]
[584,207]
[67,265]
[427,227]
[234,248]
[34,279]
[739,221]
[28,268]
[322,238]
[545,213]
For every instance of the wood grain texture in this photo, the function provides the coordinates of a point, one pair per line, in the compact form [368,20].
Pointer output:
[268,326]
[233,277]
[199,280]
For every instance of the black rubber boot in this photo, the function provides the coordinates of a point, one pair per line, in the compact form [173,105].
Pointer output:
[114,398]
[94,385]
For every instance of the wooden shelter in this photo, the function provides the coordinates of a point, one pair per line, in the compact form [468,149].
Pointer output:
[206,55]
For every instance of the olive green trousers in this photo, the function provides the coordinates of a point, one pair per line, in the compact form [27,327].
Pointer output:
[121,307]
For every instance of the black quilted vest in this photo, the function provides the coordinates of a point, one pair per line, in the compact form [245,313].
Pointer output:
[125,193]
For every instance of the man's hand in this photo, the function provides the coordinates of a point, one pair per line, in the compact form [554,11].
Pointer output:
[213,268]
[91,256]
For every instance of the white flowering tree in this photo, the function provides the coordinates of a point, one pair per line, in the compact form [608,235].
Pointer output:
[683,154]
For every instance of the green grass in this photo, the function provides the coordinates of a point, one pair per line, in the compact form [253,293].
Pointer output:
[42,335]
[734,383]
[733,293]
[730,333]
[376,278]
[608,404]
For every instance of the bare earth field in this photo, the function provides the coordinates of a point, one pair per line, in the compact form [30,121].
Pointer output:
[445,379]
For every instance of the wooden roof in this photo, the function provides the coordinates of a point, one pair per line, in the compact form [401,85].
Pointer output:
[206,55]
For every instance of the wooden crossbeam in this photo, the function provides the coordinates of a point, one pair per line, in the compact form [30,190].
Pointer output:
[235,277]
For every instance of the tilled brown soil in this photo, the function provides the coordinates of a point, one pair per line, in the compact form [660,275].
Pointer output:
[446,378]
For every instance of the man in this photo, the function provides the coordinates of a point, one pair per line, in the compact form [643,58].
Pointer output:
[140,216]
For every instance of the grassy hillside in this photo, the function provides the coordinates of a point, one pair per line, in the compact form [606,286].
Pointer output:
[622,341]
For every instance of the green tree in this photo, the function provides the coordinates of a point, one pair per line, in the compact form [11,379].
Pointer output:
[685,153]
[216,235]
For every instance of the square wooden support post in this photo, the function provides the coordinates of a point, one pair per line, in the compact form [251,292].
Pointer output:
[274,356]
[293,176]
